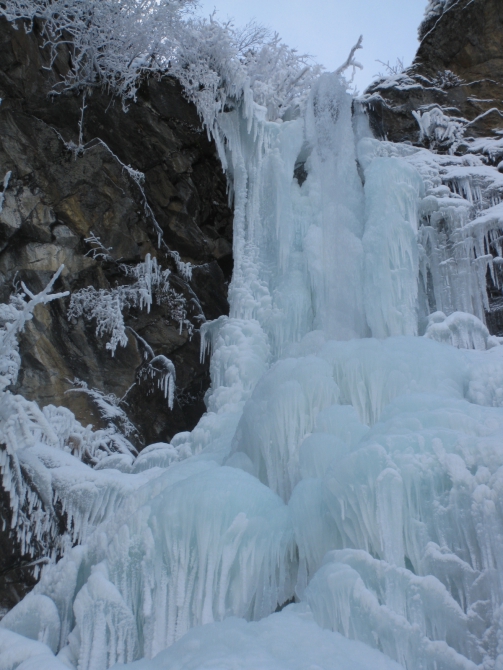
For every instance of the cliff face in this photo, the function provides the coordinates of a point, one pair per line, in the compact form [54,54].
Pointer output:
[458,66]
[56,199]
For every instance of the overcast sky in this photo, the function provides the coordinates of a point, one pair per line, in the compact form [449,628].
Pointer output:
[327,29]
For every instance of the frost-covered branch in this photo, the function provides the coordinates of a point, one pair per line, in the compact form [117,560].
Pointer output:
[391,70]
[113,43]
[109,407]
[13,318]
[350,60]
[158,368]
[98,251]
[251,36]
[106,306]
[163,371]
[183,269]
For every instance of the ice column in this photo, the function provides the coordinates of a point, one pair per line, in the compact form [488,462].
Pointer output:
[269,281]
[338,200]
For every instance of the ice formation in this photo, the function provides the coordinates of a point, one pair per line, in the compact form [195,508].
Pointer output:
[351,456]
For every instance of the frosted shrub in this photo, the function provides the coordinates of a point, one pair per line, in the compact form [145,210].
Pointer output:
[438,128]
[38,443]
[111,41]
[279,76]
[106,306]
[119,424]
[114,42]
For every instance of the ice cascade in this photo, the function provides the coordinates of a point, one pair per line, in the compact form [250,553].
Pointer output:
[351,456]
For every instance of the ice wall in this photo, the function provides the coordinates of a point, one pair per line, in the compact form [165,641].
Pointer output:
[344,460]
[392,193]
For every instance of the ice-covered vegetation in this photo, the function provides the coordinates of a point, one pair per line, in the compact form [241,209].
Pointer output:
[114,43]
[35,443]
[350,457]
[149,283]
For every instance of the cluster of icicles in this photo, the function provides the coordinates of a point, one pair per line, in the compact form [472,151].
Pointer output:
[351,457]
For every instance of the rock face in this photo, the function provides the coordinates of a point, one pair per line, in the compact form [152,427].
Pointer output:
[458,66]
[56,199]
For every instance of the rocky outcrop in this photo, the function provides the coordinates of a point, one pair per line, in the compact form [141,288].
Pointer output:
[56,199]
[458,66]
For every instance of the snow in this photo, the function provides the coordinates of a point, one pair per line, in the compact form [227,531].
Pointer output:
[289,639]
[350,456]
[18,652]
[460,330]
[408,617]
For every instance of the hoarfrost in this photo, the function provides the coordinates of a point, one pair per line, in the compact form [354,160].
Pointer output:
[106,306]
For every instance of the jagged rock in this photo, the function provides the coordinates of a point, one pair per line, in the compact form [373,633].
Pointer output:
[458,66]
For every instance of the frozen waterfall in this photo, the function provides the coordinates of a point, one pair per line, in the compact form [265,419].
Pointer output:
[351,459]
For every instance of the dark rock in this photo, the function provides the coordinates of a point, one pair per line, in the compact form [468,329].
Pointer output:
[57,199]
[458,66]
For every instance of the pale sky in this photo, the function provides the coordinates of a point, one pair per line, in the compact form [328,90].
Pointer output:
[327,29]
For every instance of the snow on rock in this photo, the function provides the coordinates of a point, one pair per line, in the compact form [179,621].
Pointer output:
[433,11]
